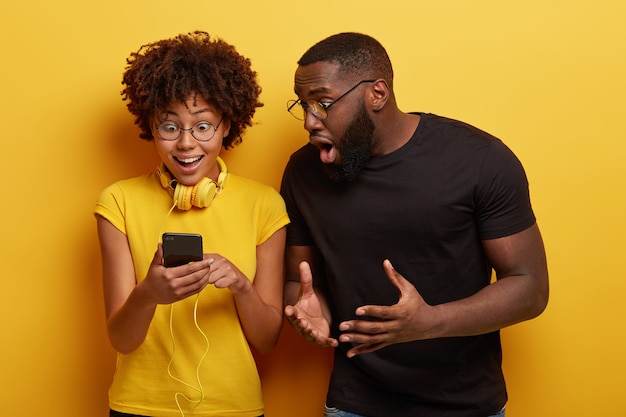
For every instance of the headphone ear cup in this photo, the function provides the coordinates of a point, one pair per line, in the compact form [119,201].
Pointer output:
[200,195]
[182,196]
[203,193]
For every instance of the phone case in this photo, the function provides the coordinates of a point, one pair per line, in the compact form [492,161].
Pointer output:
[181,248]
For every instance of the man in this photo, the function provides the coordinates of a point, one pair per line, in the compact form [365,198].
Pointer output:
[398,220]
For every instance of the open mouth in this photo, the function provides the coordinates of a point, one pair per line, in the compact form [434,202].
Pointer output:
[326,147]
[186,162]
[328,152]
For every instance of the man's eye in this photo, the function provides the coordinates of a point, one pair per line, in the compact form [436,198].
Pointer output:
[324,105]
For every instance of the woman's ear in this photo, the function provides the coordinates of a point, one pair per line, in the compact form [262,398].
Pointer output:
[226,126]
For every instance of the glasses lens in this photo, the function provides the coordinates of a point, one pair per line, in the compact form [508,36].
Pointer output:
[203,131]
[299,109]
[294,107]
[169,131]
[318,111]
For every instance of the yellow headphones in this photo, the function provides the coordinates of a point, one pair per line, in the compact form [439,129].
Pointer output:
[199,195]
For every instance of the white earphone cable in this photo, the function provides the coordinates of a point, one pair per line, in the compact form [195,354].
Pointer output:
[199,388]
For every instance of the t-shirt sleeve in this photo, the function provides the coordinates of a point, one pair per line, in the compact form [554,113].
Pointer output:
[275,215]
[502,197]
[111,205]
[298,233]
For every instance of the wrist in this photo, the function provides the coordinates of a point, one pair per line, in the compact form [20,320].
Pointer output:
[436,326]
[243,286]
[140,296]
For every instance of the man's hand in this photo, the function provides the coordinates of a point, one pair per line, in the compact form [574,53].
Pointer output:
[307,315]
[410,319]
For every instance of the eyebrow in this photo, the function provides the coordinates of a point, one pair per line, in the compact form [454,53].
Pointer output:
[319,90]
[193,113]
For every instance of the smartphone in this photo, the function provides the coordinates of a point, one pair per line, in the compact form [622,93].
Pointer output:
[181,248]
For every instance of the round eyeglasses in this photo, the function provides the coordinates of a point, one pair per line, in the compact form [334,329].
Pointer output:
[299,109]
[202,131]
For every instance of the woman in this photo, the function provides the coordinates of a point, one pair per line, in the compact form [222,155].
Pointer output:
[183,334]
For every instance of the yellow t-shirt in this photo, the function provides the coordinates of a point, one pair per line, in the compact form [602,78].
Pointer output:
[244,215]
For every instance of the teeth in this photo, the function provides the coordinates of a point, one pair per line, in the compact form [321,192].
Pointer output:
[189,160]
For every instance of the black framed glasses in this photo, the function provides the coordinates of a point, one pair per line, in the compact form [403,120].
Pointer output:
[298,108]
[202,131]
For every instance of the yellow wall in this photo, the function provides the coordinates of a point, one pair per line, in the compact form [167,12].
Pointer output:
[548,77]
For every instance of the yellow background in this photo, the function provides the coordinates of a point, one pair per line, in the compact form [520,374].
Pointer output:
[548,77]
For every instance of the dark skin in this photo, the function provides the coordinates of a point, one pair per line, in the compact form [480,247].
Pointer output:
[519,293]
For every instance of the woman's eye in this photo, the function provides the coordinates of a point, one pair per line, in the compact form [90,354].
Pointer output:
[169,127]
[203,126]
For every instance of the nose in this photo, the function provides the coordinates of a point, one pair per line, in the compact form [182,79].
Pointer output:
[311,122]
[186,140]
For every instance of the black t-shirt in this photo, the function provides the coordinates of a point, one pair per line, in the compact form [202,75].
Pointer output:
[426,207]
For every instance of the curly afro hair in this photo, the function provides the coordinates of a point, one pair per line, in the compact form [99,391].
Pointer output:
[169,70]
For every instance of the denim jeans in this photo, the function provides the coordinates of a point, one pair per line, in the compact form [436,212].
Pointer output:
[335,412]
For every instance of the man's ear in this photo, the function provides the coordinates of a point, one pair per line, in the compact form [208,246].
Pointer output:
[379,95]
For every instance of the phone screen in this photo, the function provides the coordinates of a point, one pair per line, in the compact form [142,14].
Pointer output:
[181,248]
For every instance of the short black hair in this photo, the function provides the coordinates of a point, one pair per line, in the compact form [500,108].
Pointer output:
[169,70]
[358,56]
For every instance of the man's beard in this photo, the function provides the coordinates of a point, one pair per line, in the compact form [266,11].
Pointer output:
[355,148]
